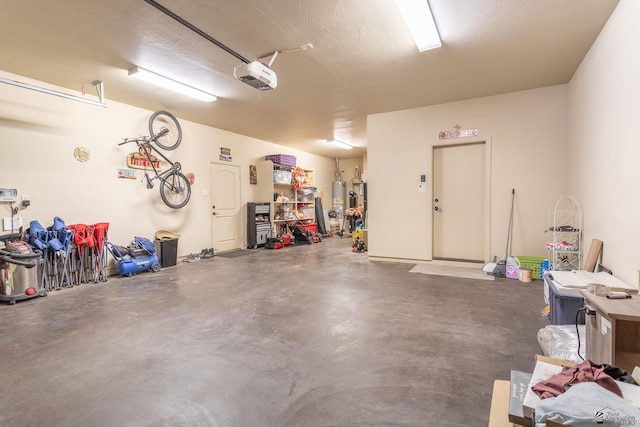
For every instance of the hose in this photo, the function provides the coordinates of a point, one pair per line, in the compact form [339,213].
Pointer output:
[27,260]
[25,263]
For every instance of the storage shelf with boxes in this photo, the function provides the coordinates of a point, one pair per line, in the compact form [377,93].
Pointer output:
[291,192]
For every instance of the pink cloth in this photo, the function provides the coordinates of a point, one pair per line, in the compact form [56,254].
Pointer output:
[586,371]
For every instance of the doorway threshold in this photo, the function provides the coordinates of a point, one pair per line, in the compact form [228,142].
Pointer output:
[455,262]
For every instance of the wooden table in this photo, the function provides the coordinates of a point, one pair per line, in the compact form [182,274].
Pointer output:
[613,333]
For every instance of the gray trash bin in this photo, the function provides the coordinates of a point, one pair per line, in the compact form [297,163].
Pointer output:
[167,248]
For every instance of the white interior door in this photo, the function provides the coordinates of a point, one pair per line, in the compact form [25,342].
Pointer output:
[225,207]
[459,202]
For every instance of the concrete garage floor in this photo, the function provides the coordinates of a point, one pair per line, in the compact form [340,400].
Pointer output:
[312,335]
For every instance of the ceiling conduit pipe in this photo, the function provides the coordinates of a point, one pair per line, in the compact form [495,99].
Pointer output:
[98,83]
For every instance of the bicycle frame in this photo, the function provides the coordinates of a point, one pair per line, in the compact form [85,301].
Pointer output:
[175,189]
[145,144]
[158,175]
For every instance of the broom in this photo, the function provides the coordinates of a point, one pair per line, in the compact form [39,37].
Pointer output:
[500,269]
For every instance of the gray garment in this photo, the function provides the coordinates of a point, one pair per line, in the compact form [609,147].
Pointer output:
[587,404]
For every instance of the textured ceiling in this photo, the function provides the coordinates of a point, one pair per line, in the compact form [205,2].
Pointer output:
[363,60]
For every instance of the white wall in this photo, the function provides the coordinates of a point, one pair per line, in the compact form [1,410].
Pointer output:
[38,134]
[528,133]
[604,165]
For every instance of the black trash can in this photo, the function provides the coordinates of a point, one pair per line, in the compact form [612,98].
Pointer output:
[167,248]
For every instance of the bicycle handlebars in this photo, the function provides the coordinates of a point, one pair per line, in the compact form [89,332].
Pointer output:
[154,138]
[129,140]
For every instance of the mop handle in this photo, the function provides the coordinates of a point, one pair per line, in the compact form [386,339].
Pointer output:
[513,194]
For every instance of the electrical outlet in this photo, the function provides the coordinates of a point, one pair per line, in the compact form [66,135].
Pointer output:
[589,310]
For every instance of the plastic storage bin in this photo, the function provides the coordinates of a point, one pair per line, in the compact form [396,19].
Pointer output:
[281,177]
[564,303]
[308,213]
[532,262]
[282,159]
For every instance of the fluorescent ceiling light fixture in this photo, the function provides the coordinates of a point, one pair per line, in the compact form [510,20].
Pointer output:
[340,144]
[419,20]
[167,83]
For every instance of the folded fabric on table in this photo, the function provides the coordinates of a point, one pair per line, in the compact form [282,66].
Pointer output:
[586,371]
[587,404]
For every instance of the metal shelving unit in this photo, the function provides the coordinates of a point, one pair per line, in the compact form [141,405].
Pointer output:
[258,224]
[564,240]
[288,205]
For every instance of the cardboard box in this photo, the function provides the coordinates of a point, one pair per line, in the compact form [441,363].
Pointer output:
[519,384]
[546,367]
[499,413]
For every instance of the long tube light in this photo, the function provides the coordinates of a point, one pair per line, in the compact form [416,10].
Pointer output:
[167,83]
[419,20]
[340,144]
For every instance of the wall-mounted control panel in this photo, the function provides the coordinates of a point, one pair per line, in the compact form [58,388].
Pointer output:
[8,195]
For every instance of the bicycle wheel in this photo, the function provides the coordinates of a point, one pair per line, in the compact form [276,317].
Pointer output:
[164,120]
[175,190]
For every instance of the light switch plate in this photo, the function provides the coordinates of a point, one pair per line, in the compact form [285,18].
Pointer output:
[17,223]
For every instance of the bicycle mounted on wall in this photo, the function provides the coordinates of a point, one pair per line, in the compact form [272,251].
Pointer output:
[166,133]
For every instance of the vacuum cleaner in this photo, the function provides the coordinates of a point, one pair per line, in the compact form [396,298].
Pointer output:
[19,272]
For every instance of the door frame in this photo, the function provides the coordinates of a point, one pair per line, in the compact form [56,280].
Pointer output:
[243,241]
[487,185]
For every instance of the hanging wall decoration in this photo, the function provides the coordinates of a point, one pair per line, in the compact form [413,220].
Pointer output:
[225,154]
[253,174]
[127,174]
[458,133]
[138,160]
[81,154]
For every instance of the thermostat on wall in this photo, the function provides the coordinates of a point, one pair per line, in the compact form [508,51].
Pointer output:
[8,195]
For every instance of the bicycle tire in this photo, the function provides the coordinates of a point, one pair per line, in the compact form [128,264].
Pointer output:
[163,119]
[175,190]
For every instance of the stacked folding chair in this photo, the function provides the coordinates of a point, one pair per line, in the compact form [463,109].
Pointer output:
[71,254]
[89,252]
[55,244]
[100,234]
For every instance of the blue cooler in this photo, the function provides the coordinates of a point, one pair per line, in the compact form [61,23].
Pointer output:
[564,302]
